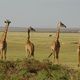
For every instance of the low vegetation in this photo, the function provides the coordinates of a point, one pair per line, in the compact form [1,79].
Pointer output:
[31,69]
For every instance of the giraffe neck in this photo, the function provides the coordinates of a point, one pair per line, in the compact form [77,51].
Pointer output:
[58,33]
[28,38]
[3,38]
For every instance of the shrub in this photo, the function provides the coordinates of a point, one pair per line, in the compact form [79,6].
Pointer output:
[31,69]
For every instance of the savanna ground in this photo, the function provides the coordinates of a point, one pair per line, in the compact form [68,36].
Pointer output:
[68,53]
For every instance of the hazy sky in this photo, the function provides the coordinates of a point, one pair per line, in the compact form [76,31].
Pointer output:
[40,13]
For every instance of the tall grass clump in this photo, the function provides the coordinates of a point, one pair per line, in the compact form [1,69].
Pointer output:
[31,69]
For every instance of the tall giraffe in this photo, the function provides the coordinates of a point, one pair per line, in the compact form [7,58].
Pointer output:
[3,42]
[29,47]
[55,47]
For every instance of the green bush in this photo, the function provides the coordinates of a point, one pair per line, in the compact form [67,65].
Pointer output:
[35,70]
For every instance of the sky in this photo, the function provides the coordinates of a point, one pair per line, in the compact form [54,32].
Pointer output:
[40,13]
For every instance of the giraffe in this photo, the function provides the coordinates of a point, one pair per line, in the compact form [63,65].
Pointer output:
[55,47]
[78,53]
[29,47]
[3,42]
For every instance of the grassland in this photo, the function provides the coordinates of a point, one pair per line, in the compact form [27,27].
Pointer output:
[17,67]
[68,53]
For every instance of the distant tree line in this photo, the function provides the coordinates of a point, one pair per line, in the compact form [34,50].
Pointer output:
[23,29]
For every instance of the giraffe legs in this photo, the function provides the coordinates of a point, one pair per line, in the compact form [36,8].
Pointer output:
[29,54]
[53,52]
[50,55]
[54,57]
[1,54]
[4,53]
[57,55]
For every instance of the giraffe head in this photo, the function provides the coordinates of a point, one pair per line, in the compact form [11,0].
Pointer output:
[7,21]
[32,29]
[60,24]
